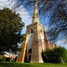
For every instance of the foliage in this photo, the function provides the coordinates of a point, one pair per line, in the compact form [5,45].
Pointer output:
[10,29]
[1,56]
[56,55]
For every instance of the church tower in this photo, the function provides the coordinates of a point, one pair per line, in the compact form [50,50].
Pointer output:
[36,33]
[35,40]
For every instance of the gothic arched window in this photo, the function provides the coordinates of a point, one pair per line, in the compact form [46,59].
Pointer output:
[32,31]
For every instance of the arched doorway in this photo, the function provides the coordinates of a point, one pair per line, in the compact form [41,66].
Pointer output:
[30,51]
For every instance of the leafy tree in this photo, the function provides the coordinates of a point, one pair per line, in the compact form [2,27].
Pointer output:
[56,10]
[10,30]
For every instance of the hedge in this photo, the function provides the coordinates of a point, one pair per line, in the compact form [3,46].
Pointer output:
[56,55]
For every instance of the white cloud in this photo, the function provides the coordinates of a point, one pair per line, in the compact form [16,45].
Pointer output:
[62,42]
[3,1]
[24,14]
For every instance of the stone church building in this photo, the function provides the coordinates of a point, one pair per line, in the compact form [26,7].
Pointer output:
[36,41]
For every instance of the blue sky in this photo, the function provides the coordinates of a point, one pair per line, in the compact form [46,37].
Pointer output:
[27,18]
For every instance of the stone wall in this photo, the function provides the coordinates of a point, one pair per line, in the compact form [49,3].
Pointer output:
[21,55]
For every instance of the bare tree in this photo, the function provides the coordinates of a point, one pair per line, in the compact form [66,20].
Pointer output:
[56,10]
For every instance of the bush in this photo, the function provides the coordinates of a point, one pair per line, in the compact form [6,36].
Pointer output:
[56,55]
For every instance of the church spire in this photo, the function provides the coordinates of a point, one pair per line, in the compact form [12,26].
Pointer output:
[36,13]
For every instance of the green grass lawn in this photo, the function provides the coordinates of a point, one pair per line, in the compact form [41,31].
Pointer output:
[32,65]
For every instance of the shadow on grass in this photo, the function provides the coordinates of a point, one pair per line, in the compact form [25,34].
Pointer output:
[8,64]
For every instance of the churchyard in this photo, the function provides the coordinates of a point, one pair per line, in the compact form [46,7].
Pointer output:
[38,45]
